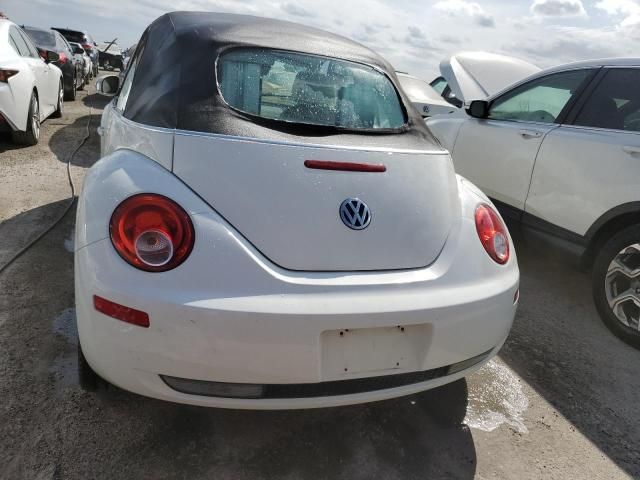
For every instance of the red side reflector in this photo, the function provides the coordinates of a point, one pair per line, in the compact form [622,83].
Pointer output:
[345,166]
[120,312]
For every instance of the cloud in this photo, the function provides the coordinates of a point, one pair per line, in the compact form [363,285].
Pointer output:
[462,8]
[297,10]
[619,7]
[569,44]
[558,8]
[415,32]
[414,36]
[629,10]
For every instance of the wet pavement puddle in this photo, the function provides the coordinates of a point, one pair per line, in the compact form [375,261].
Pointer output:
[496,397]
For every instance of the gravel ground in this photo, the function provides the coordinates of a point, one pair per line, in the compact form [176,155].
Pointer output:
[561,401]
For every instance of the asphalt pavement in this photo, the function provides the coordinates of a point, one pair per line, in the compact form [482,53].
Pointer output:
[561,400]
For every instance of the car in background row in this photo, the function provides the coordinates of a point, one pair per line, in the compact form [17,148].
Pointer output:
[465,75]
[31,88]
[87,42]
[68,63]
[560,153]
[111,56]
[352,265]
[469,76]
[424,97]
[87,66]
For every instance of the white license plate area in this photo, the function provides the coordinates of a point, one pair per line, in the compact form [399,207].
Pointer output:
[353,352]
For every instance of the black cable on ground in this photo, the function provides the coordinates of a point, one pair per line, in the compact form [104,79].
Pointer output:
[72,200]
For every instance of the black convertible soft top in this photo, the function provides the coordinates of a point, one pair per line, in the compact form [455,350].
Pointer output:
[175,86]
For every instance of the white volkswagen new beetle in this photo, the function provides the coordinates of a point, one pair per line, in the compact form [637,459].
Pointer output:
[273,226]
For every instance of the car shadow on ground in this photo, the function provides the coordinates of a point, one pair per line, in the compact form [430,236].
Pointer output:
[561,348]
[16,232]
[96,100]
[65,140]
[409,438]
[6,143]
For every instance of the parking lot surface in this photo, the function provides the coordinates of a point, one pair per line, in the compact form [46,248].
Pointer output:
[561,401]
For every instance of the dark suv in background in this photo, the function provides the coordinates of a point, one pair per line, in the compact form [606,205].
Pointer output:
[72,69]
[87,42]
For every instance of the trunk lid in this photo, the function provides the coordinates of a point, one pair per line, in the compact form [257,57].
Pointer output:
[290,213]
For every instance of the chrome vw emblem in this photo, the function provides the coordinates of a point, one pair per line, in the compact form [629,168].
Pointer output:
[355,214]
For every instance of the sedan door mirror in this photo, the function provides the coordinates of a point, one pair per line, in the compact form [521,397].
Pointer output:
[478,109]
[50,57]
[108,85]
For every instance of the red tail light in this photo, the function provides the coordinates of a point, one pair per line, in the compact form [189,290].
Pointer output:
[120,312]
[63,58]
[86,46]
[151,232]
[492,233]
[6,74]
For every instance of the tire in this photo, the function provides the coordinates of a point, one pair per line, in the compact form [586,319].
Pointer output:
[88,379]
[32,134]
[615,282]
[70,92]
[60,107]
[83,82]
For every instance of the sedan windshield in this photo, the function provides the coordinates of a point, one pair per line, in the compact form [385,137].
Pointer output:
[309,89]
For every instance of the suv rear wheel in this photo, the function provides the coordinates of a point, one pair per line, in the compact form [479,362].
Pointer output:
[616,284]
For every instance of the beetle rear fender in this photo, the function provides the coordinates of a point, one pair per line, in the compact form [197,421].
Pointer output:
[118,176]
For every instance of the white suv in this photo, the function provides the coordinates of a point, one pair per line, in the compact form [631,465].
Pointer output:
[560,152]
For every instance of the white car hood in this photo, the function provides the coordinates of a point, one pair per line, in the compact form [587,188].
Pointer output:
[478,75]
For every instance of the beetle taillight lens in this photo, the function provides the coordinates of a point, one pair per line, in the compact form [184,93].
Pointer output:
[493,234]
[151,232]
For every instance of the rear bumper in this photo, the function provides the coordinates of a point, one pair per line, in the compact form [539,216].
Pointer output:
[227,316]
[11,116]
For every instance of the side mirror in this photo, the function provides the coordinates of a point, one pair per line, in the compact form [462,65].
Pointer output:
[108,85]
[478,109]
[49,57]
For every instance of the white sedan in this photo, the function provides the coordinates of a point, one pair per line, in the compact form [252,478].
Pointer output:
[560,152]
[279,230]
[30,87]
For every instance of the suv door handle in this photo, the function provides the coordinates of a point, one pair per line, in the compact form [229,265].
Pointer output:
[631,150]
[530,134]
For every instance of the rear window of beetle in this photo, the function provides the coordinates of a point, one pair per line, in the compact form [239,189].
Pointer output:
[309,89]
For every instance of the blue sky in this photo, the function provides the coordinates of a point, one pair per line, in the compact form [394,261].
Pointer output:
[414,35]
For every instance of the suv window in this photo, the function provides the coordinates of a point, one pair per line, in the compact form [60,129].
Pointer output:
[23,50]
[615,103]
[73,36]
[540,100]
[309,89]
